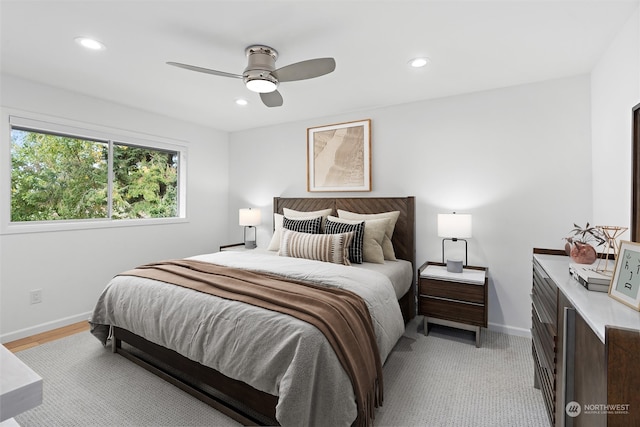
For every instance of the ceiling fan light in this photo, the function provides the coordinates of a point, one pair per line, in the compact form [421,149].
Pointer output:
[261,86]
[419,62]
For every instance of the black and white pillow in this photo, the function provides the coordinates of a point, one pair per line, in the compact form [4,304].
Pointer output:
[356,248]
[311,225]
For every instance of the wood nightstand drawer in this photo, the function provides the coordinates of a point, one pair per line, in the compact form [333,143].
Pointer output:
[456,291]
[455,311]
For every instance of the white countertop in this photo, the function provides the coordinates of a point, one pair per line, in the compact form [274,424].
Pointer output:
[598,309]
[468,275]
[20,387]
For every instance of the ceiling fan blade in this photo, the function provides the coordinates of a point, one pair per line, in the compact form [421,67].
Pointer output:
[204,70]
[305,70]
[271,99]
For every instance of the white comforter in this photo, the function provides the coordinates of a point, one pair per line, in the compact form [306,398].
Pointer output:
[272,352]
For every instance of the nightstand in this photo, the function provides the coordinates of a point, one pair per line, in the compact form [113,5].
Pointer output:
[233,247]
[453,299]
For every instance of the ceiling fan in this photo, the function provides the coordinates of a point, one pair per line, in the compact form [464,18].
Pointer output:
[262,76]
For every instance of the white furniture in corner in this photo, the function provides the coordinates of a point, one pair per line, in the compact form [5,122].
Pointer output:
[20,387]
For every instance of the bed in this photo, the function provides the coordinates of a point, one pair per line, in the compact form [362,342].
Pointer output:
[262,389]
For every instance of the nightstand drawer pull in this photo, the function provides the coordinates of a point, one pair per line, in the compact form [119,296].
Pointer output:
[453,300]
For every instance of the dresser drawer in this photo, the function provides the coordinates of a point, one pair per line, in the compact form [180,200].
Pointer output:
[469,313]
[451,290]
[545,295]
[547,384]
[544,342]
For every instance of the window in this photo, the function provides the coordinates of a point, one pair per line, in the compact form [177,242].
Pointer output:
[145,183]
[55,177]
[64,175]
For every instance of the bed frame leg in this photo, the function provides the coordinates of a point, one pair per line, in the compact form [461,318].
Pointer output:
[115,344]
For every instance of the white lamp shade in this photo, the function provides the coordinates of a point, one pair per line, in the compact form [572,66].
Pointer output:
[249,217]
[454,225]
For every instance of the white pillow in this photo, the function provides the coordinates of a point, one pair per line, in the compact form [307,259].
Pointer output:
[374,233]
[274,245]
[387,246]
[320,247]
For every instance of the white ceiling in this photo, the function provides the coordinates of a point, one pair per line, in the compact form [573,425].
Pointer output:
[473,46]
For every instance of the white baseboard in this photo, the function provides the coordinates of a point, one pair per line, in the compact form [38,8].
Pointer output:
[44,327]
[510,330]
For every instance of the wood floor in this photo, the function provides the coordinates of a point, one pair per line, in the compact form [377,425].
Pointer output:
[35,340]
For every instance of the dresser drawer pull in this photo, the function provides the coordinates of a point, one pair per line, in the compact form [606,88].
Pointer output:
[542,358]
[535,310]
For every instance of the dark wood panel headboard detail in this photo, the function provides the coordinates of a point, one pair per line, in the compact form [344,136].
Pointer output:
[404,235]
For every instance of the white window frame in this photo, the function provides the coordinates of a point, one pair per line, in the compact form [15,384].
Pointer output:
[48,124]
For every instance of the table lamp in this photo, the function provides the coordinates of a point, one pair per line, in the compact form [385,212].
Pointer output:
[249,218]
[454,227]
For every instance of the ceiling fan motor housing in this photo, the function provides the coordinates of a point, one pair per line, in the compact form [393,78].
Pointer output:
[261,64]
[261,75]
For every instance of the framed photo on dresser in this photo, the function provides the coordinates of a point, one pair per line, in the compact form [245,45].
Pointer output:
[625,284]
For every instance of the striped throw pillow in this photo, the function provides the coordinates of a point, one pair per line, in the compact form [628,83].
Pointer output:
[320,247]
[311,225]
[356,247]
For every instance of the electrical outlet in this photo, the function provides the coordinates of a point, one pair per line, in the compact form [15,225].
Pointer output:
[35,296]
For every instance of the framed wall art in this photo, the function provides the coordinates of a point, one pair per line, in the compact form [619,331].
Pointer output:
[339,157]
[625,284]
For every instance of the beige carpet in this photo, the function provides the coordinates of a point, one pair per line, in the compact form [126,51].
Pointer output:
[439,380]
[444,380]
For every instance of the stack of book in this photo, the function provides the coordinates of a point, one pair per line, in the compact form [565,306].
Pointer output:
[588,277]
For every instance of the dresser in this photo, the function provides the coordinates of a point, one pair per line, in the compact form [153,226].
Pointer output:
[586,349]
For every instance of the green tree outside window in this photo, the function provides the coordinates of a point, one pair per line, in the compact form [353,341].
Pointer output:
[57,177]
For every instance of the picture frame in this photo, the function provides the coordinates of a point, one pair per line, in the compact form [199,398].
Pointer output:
[635,182]
[625,283]
[339,157]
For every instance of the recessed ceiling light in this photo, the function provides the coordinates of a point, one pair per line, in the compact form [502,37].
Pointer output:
[419,62]
[242,102]
[90,43]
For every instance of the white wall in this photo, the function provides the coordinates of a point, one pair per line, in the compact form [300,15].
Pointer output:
[72,267]
[511,157]
[615,89]
[526,161]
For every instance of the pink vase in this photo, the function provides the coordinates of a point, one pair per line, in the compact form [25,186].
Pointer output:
[583,253]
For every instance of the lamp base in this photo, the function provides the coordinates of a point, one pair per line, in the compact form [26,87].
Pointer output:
[249,244]
[455,239]
[454,266]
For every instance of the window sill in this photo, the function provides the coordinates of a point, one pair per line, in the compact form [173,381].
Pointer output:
[55,226]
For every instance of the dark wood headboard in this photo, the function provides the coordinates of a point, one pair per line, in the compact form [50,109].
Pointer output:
[404,235]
